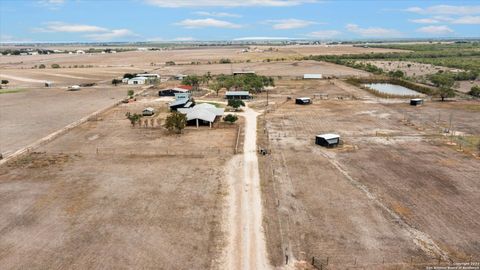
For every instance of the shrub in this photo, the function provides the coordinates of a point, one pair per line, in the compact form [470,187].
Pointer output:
[41,66]
[170,63]
[230,118]
[235,103]
[475,91]
[130,93]
[116,81]
[55,66]
[4,81]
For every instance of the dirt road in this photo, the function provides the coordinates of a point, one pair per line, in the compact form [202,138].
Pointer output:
[246,247]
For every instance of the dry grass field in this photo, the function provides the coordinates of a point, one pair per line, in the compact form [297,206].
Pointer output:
[109,196]
[399,193]
[394,196]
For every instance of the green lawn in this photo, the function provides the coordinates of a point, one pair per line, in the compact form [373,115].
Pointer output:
[9,91]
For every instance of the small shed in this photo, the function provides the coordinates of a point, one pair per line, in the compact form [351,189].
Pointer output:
[237,95]
[312,76]
[74,88]
[303,101]
[327,140]
[416,101]
[48,84]
[148,111]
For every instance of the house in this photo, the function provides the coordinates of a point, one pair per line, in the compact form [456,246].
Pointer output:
[172,91]
[182,100]
[303,101]
[148,111]
[251,72]
[137,80]
[80,52]
[186,87]
[416,101]
[327,140]
[202,114]
[312,76]
[237,95]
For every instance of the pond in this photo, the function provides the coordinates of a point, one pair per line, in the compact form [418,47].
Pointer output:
[392,89]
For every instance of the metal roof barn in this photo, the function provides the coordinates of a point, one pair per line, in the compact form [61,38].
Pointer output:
[327,140]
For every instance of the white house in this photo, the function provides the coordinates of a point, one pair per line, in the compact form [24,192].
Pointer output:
[138,80]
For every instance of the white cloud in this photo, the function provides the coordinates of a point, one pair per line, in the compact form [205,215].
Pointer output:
[425,21]
[208,22]
[114,34]
[69,28]
[262,38]
[435,30]
[446,9]
[324,34]
[217,14]
[184,39]
[372,31]
[51,2]
[467,20]
[227,3]
[289,24]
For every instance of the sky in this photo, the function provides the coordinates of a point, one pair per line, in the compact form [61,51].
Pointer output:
[215,20]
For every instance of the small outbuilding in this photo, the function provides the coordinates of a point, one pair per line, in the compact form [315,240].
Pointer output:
[416,101]
[303,101]
[148,111]
[238,95]
[74,88]
[312,76]
[327,140]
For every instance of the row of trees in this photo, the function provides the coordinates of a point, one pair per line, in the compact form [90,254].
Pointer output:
[247,82]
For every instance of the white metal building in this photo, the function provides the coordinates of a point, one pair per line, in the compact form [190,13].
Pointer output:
[138,80]
[204,112]
[312,76]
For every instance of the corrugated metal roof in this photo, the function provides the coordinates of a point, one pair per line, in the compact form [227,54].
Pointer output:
[312,76]
[179,102]
[329,136]
[203,112]
[237,93]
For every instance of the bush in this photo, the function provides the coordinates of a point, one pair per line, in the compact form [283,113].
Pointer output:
[41,66]
[134,118]
[130,93]
[236,103]
[475,91]
[129,75]
[4,81]
[116,81]
[176,122]
[230,118]
[55,66]
[225,61]
[170,63]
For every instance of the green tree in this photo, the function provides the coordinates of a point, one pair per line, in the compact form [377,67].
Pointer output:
[41,66]
[129,75]
[215,87]
[475,91]
[5,81]
[55,66]
[236,103]
[134,118]
[396,74]
[192,80]
[176,122]
[230,118]
[130,93]
[444,82]
[170,63]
